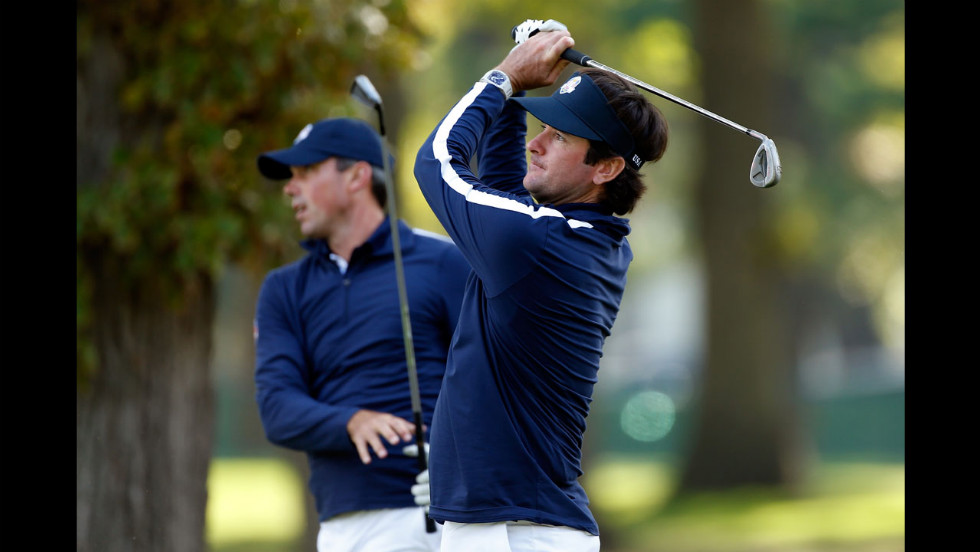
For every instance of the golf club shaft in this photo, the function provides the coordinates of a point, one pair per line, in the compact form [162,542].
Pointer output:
[364,91]
[579,58]
[413,378]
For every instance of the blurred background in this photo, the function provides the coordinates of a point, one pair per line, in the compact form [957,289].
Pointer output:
[752,394]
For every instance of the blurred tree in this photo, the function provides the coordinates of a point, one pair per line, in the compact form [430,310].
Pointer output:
[842,225]
[748,425]
[175,100]
[824,251]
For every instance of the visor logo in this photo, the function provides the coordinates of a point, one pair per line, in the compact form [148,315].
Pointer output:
[303,133]
[570,85]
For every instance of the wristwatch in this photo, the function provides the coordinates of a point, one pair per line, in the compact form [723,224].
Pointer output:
[500,80]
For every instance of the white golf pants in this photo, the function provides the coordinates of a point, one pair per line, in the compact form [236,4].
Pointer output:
[515,536]
[388,530]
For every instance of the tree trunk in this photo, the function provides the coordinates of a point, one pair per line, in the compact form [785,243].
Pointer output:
[746,430]
[145,420]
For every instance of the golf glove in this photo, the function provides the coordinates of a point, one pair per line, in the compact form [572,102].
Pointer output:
[531,27]
[421,488]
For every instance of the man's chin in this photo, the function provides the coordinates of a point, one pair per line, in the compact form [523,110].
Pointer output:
[529,183]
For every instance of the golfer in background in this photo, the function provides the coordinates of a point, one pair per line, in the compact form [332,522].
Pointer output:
[331,376]
[550,258]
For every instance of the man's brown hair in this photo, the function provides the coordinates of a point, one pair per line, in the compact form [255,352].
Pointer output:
[646,124]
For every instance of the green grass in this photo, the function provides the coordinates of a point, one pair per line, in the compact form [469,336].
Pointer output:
[256,505]
[253,504]
[851,506]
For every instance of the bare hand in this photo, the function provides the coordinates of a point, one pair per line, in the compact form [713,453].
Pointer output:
[537,61]
[367,428]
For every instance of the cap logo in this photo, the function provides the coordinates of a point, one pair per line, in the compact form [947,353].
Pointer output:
[303,133]
[570,85]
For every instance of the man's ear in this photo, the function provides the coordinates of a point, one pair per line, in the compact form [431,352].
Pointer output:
[607,169]
[361,174]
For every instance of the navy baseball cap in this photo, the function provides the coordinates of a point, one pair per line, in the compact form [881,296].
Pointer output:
[341,137]
[578,107]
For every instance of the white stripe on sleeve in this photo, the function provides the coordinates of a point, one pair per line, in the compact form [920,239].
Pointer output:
[440,151]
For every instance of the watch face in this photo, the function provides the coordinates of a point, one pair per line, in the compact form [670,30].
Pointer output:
[497,77]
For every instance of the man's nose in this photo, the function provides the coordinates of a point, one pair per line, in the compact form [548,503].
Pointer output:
[534,144]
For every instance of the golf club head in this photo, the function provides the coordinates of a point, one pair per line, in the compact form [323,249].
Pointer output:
[364,91]
[765,170]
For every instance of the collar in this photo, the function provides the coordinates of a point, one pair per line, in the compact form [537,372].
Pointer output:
[379,243]
[598,215]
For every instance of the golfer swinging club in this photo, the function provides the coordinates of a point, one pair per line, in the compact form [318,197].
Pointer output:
[549,258]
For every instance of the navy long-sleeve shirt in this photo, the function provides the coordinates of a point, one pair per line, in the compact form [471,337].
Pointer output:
[547,285]
[329,344]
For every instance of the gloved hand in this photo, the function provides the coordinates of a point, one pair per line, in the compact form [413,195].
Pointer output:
[421,488]
[530,27]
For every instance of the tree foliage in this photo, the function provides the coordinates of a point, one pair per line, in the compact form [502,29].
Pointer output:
[175,101]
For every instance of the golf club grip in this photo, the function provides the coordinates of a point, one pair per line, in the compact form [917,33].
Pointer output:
[420,440]
[430,526]
[570,54]
[576,57]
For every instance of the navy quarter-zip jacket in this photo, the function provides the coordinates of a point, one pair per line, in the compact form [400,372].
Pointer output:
[329,344]
[548,281]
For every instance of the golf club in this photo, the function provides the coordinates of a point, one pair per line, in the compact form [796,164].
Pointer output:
[364,91]
[765,170]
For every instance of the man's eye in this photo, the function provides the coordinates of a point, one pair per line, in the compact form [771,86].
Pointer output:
[555,134]
[304,170]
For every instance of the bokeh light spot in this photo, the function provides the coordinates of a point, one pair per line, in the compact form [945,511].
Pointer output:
[648,416]
[878,154]
[232,139]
